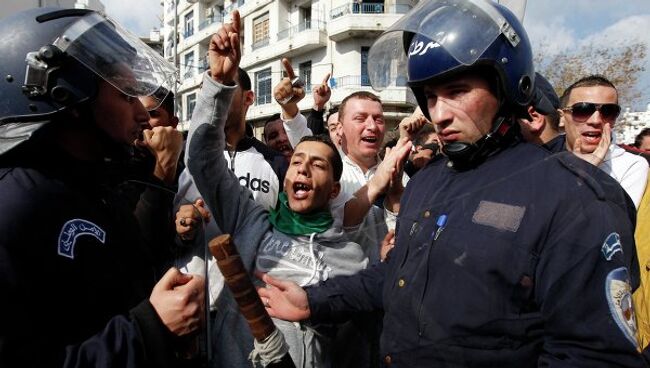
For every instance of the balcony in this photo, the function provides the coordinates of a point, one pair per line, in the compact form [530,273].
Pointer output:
[235,5]
[363,19]
[342,86]
[301,38]
[217,18]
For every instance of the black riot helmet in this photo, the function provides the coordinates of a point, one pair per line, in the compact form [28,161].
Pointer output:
[53,58]
[439,39]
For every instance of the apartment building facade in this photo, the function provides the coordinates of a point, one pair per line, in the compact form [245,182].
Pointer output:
[318,36]
[630,123]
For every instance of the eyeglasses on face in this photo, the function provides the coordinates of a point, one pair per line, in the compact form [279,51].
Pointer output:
[582,111]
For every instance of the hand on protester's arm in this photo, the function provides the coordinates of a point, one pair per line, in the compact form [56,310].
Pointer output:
[225,51]
[188,218]
[178,300]
[288,95]
[322,94]
[283,299]
[387,245]
[595,158]
[381,182]
[165,144]
[411,125]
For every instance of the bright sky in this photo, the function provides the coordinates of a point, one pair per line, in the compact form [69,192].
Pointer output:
[560,24]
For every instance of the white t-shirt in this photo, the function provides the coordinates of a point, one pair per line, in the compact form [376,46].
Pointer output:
[631,171]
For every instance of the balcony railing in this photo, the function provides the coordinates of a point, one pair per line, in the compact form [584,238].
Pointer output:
[350,80]
[359,80]
[304,26]
[217,18]
[233,6]
[368,8]
[261,43]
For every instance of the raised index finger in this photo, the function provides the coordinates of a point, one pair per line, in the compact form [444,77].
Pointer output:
[288,68]
[327,78]
[236,21]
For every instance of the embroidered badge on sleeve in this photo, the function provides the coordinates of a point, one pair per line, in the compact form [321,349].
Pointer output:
[611,246]
[75,228]
[619,298]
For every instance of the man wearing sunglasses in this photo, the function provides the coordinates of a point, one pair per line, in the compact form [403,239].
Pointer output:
[590,108]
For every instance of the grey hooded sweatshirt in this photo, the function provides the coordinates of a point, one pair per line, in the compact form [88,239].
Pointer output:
[305,260]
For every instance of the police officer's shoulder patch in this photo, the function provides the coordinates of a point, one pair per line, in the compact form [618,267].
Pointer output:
[611,246]
[619,298]
[73,229]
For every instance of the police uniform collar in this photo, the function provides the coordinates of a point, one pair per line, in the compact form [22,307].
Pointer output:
[463,156]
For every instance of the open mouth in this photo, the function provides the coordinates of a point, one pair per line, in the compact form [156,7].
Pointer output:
[301,190]
[370,140]
[592,137]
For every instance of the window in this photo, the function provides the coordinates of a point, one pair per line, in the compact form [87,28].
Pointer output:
[305,74]
[189,24]
[263,86]
[188,65]
[365,81]
[305,19]
[261,31]
[190,102]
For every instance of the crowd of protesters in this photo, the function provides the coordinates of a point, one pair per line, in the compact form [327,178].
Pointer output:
[498,225]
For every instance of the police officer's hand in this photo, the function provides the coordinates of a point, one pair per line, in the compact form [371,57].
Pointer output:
[287,93]
[283,299]
[411,125]
[322,94]
[595,158]
[387,245]
[179,301]
[224,51]
[165,144]
[188,219]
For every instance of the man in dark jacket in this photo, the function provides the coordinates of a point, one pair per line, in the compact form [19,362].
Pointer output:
[490,268]
[75,276]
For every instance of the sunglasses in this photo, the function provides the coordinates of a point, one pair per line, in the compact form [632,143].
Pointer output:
[582,111]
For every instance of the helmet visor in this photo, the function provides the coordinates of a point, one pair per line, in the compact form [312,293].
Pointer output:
[463,28]
[118,57]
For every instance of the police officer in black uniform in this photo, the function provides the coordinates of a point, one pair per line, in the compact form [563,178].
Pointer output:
[75,277]
[505,256]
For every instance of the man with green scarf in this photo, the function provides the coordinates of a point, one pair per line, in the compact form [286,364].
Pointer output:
[297,240]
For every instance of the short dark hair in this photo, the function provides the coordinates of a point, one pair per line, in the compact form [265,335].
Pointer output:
[423,134]
[168,103]
[588,81]
[361,95]
[337,162]
[389,144]
[272,119]
[332,111]
[554,120]
[243,79]
[645,132]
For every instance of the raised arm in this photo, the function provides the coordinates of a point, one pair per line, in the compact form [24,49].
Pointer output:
[288,93]
[321,95]
[231,205]
[387,177]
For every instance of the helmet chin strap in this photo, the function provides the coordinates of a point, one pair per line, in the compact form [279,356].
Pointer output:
[467,155]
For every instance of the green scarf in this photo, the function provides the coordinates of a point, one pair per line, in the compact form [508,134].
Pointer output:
[293,223]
